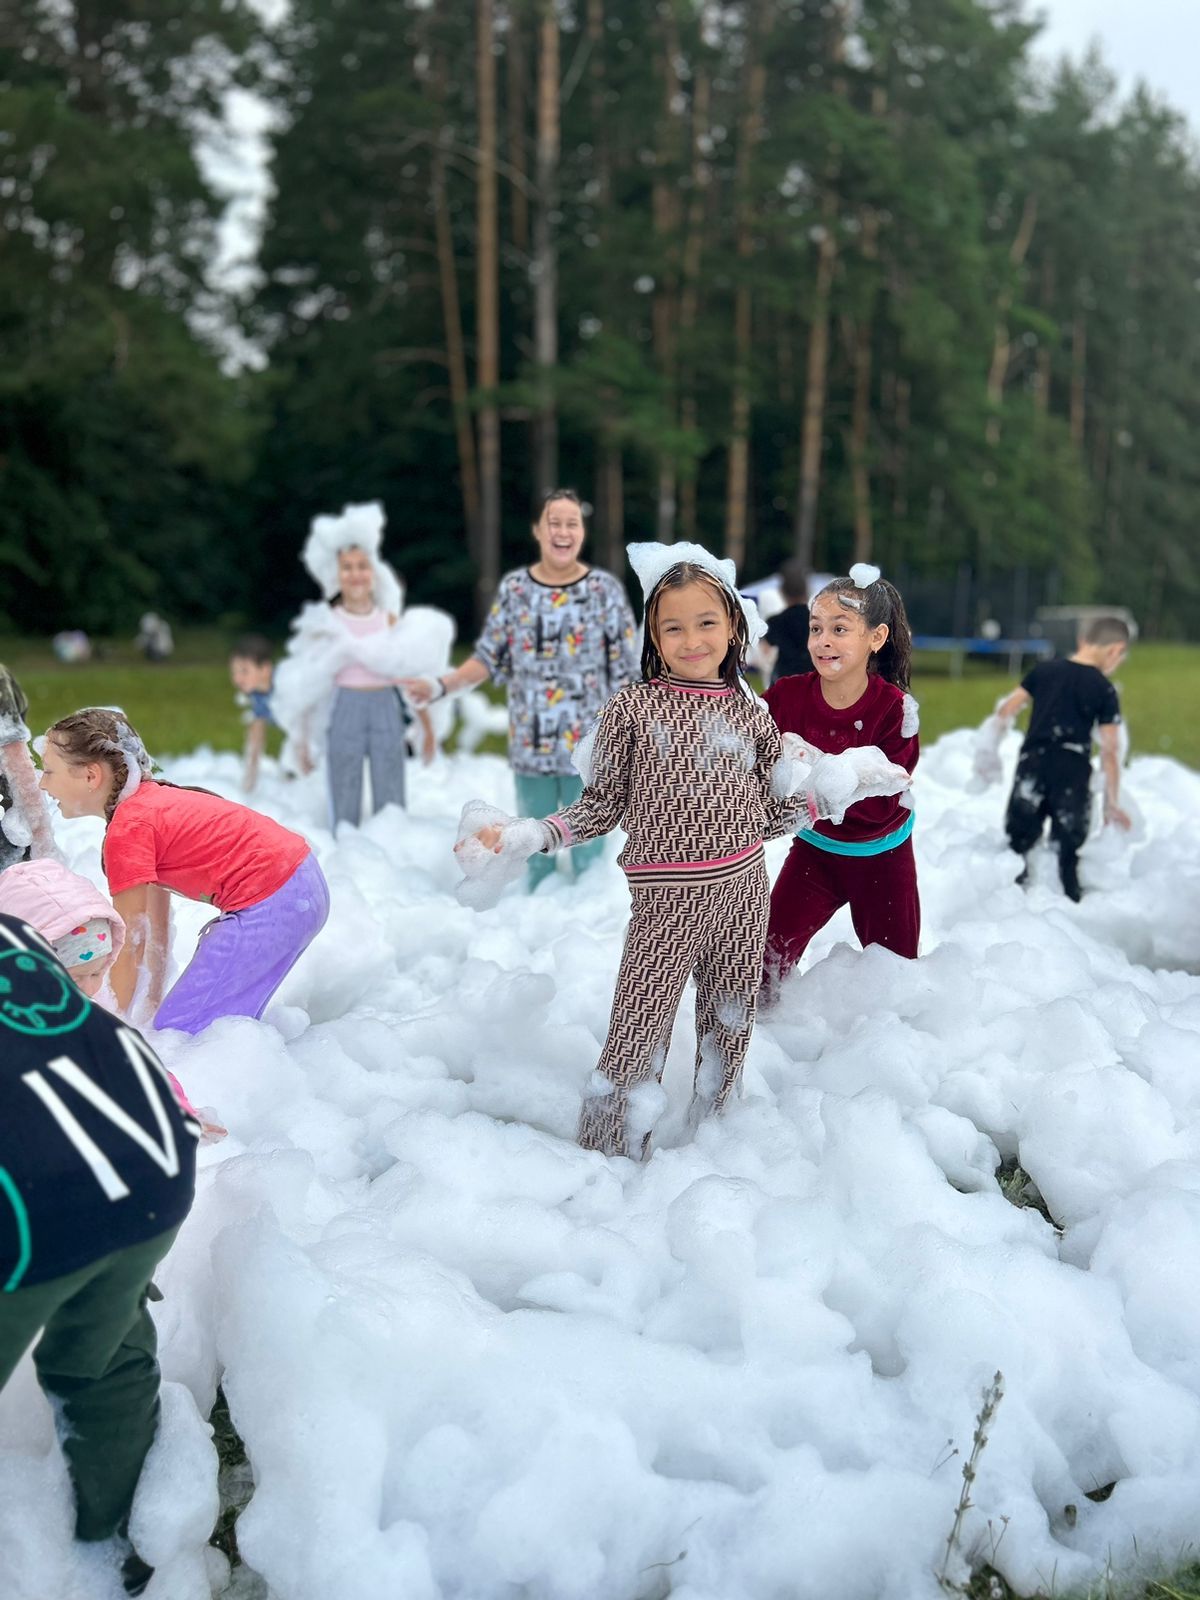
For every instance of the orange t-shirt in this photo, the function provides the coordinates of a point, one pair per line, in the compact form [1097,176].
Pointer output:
[198,845]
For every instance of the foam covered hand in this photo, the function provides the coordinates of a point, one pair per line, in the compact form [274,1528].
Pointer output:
[492,849]
[837,782]
[985,760]
[794,768]
[420,692]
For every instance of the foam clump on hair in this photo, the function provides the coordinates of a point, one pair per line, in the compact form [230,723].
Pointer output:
[358,527]
[863,575]
[651,561]
[138,765]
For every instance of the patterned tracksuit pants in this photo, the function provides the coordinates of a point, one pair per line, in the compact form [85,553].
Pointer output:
[715,931]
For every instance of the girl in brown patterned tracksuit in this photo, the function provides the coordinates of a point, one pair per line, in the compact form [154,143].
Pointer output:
[685,762]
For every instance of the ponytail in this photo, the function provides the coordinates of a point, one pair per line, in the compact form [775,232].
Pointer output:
[879,603]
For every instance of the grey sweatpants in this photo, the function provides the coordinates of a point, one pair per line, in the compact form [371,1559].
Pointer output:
[365,725]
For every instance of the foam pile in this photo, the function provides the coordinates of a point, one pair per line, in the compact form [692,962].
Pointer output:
[469,1359]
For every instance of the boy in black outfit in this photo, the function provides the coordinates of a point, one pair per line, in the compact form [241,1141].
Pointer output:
[787,631]
[1070,698]
[97,1169]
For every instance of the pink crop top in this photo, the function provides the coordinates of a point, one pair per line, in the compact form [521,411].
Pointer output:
[353,676]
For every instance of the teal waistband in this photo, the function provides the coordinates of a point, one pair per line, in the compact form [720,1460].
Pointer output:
[858,847]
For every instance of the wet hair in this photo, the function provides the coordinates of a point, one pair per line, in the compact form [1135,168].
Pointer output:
[95,735]
[253,647]
[679,577]
[538,509]
[878,603]
[1105,630]
[793,580]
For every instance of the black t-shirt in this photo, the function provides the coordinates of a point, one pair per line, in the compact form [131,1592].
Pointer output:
[95,1151]
[788,632]
[1069,699]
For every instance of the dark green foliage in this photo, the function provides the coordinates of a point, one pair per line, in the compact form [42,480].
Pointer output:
[1015,283]
[120,439]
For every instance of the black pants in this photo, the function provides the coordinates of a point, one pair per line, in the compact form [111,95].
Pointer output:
[1052,785]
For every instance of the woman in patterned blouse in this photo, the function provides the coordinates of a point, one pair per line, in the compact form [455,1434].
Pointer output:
[560,636]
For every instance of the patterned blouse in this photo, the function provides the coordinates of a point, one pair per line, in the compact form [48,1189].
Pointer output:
[563,652]
[689,771]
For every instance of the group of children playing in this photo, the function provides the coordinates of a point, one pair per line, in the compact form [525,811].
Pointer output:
[697,770]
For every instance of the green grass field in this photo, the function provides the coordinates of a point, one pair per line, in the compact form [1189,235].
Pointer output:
[188,701]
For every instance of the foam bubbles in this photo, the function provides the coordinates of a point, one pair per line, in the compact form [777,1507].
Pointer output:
[468,1357]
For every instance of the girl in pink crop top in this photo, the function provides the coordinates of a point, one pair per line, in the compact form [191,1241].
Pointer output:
[354,675]
[345,661]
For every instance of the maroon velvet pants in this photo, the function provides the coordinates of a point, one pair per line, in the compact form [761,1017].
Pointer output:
[881,892]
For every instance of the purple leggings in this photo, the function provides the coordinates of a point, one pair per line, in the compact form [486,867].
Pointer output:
[243,956]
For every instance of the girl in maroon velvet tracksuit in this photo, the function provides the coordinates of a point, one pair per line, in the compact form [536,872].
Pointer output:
[861,647]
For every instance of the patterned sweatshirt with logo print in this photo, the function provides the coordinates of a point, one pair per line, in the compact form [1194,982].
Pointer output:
[687,769]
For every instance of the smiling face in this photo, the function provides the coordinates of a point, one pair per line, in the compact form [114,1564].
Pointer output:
[356,577]
[840,643]
[560,533]
[692,631]
[81,789]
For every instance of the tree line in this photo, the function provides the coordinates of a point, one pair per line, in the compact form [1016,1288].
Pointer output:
[847,279]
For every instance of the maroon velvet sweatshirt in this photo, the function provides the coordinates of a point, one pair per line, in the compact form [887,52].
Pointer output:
[883,715]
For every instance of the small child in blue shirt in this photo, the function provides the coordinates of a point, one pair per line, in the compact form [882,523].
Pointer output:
[252,672]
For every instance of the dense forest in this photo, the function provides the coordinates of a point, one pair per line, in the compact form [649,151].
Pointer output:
[842,278]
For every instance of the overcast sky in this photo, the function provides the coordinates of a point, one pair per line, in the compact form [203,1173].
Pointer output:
[1157,40]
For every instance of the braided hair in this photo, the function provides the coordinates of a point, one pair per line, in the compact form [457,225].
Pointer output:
[107,737]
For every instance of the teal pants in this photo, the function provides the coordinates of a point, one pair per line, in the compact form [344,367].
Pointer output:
[539,796]
[97,1358]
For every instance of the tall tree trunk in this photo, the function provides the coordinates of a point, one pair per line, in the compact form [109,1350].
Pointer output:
[754,82]
[610,479]
[902,425]
[515,86]
[487,311]
[545,247]
[860,474]
[689,296]
[1001,341]
[665,213]
[612,496]
[455,352]
[858,438]
[1078,377]
[1045,358]
[816,379]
